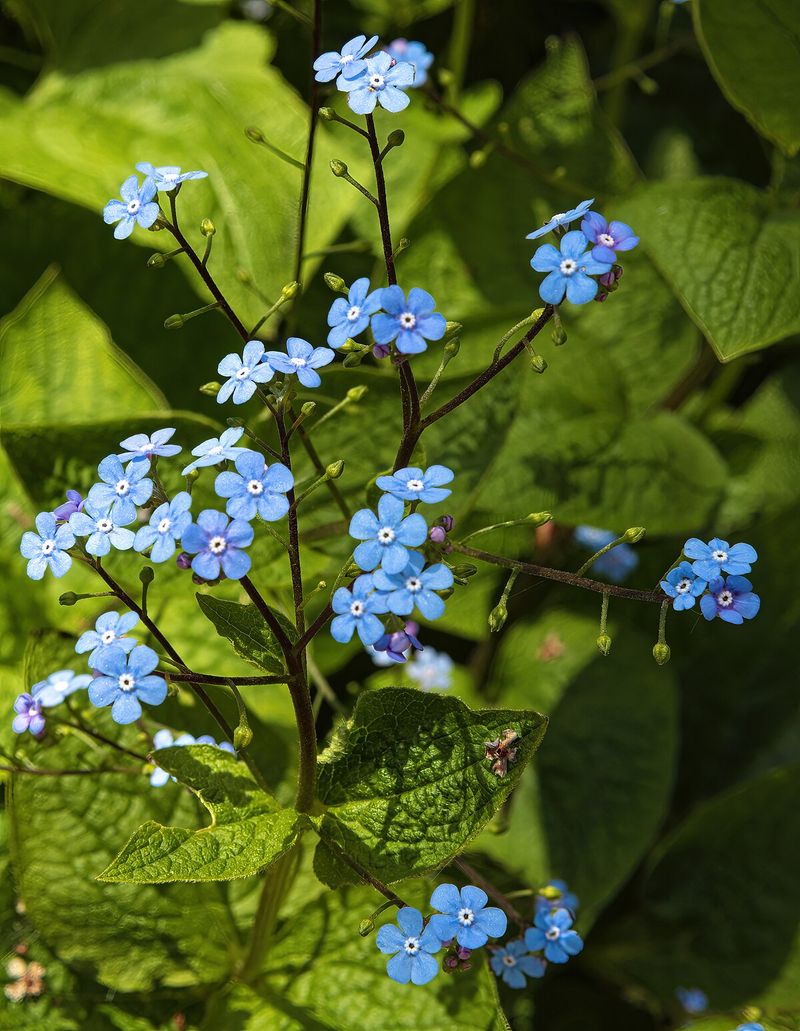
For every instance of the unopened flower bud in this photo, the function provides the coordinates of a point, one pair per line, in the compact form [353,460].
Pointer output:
[334,470]
[661,653]
[174,322]
[183,561]
[242,737]
[402,245]
[437,534]
[396,138]
[752,1013]
[327,114]
[254,134]
[367,925]
[448,593]
[207,227]
[336,283]
[69,598]
[634,534]
[192,476]
[539,518]
[498,617]
[339,168]
[356,394]
[445,77]
[243,276]
[465,570]
[610,280]
[211,389]
[447,522]
[352,361]
[604,644]
[307,408]
[290,290]
[147,574]
[538,362]
[381,351]
[477,158]
[452,347]
[559,335]
[156,261]
[451,328]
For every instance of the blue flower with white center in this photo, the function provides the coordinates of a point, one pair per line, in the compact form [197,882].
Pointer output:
[566,899]
[47,549]
[563,218]
[717,557]
[102,529]
[616,565]
[693,1000]
[347,63]
[140,446]
[607,237]
[356,613]
[552,932]
[167,525]
[29,715]
[569,268]
[386,536]
[409,322]
[167,177]
[121,489]
[414,586]
[514,965]
[243,373]
[255,488]
[431,670]
[216,450]
[412,484]
[415,53]
[58,686]
[109,630]
[301,360]
[411,948]
[137,207]
[683,585]
[464,915]
[126,681]
[731,599]
[349,317]
[217,545]
[381,82]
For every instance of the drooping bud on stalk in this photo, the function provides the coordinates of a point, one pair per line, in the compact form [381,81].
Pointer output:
[207,227]
[254,134]
[538,363]
[396,138]
[604,644]
[174,322]
[327,114]
[156,261]
[498,617]
[661,653]
[308,408]
[69,598]
[335,283]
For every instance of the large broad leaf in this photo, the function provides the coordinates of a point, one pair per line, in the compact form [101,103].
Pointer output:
[751,48]
[244,627]
[406,782]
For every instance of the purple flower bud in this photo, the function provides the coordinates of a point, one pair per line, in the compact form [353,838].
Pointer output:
[183,561]
[610,279]
[438,534]
[446,522]
[464,953]
[450,962]
[381,350]
[74,503]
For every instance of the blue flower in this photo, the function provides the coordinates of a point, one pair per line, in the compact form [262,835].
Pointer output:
[412,484]
[570,269]
[121,490]
[59,686]
[381,82]
[514,965]
[163,739]
[432,670]
[607,237]
[563,218]
[394,647]
[126,681]
[410,322]
[216,543]
[350,62]
[718,557]
[167,177]
[141,446]
[348,318]
[110,629]
[741,1027]
[464,915]
[167,525]
[552,932]
[566,899]
[255,487]
[244,373]
[386,536]
[301,360]
[616,565]
[684,586]
[731,599]
[693,1000]
[356,611]
[102,529]
[414,586]
[415,53]
[29,715]
[47,548]
[74,503]
[216,450]
[136,207]
[410,947]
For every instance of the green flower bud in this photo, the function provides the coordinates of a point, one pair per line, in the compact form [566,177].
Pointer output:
[402,245]
[444,595]
[549,892]
[367,926]
[327,114]
[396,138]
[498,617]
[156,261]
[174,322]
[477,158]
[356,394]
[290,290]
[465,570]
[445,77]
[336,283]
[307,408]
[539,518]
[254,135]
[559,336]
[353,360]
[538,363]
[661,653]
[192,475]
[207,227]
[242,737]
[334,470]
[452,347]
[147,574]
[604,644]
[339,168]
[69,598]
[452,328]
[211,389]
[634,534]
[243,276]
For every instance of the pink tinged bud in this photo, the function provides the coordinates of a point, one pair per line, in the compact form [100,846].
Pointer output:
[464,953]
[451,962]
[380,351]
[183,561]
[447,523]
[438,534]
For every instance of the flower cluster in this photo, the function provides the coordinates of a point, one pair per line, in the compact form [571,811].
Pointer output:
[380,78]
[164,739]
[255,366]
[138,205]
[405,321]
[728,596]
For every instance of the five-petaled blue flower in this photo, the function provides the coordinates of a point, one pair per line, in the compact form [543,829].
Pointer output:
[514,965]
[607,237]
[350,62]
[47,548]
[74,503]
[570,270]
[141,446]
[167,177]
[255,488]
[409,322]
[356,612]
[216,450]
[167,525]
[217,545]
[566,898]
[464,915]
[693,1000]
[126,681]
[411,948]
[29,715]
[58,686]
[415,53]
[136,207]
[301,359]
[110,629]
[552,931]
[731,599]
[414,586]
[121,490]
[347,318]
[716,557]
[386,536]
[563,218]
[412,484]
[243,373]
[432,670]
[381,82]
[683,585]
[102,529]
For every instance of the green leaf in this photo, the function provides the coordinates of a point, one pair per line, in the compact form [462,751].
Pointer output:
[406,782]
[248,829]
[752,50]
[244,627]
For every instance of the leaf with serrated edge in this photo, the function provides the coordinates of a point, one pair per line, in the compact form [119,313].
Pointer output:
[245,628]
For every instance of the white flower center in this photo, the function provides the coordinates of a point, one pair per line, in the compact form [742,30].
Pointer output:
[122,488]
[145,449]
[376,82]
[48,547]
[411,946]
[509,961]
[408,320]
[557,217]
[217,545]
[243,373]
[134,205]
[104,525]
[413,584]
[164,525]
[255,487]
[216,450]
[299,363]
[684,586]
[466,917]
[415,485]
[606,239]
[354,313]
[568,266]
[357,609]
[720,556]
[62,686]
[127,682]
[725,598]
[170,177]
[108,636]
[385,535]
[552,934]
[346,58]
